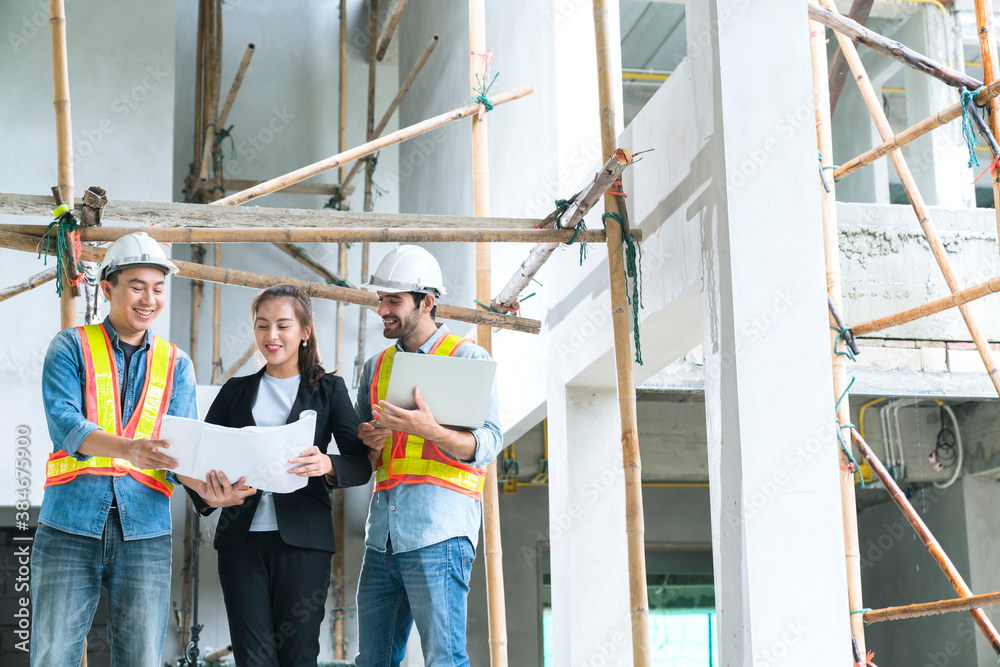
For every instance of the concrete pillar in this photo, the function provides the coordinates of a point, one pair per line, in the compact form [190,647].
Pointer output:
[781,587]
[938,160]
[589,556]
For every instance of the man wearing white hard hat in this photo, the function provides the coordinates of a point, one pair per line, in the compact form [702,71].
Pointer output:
[105,516]
[424,517]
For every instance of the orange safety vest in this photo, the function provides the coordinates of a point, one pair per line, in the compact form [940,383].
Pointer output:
[102,399]
[408,459]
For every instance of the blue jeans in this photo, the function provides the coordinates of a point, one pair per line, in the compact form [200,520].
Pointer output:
[429,587]
[67,574]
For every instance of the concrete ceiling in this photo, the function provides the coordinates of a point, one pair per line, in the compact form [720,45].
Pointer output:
[653,35]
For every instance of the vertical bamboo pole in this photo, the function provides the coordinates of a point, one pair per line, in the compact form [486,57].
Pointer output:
[828,200]
[199,87]
[339,652]
[639,605]
[64,136]
[496,605]
[874,104]
[369,201]
[216,318]
[991,72]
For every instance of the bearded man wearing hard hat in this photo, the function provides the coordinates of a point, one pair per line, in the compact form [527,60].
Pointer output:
[423,521]
[105,516]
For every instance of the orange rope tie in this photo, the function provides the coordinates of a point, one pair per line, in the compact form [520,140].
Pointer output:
[991,168]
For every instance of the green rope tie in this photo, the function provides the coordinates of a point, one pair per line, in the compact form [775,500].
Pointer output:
[840,427]
[562,205]
[221,136]
[633,270]
[968,127]
[860,611]
[62,225]
[482,91]
[841,333]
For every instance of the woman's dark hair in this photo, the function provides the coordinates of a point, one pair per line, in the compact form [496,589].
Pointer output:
[310,365]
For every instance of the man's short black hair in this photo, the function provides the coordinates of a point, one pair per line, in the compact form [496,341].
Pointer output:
[113,278]
[418,298]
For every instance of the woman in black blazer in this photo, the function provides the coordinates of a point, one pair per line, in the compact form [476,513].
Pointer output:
[274,549]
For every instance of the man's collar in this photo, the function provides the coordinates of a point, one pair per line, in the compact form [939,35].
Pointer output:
[441,330]
[115,340]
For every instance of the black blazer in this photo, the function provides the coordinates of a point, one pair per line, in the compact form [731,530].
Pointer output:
[304,516]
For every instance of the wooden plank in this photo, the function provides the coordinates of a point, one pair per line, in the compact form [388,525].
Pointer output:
[335,235]
[164,214]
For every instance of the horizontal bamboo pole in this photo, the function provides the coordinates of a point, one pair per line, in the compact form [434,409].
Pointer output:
[321,189]
[28,284]
[931,307]
[305,235]
[890,48]
[924,533]
[225,276]
[390,28]
[913,132]
[932,608]
[368,148]
[377,132]
[169,214]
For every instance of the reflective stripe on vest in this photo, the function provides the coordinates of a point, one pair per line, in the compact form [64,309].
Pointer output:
[103,405]
[409,459]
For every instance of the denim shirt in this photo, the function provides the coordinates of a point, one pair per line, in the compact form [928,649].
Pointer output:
[81,506]
[419,515]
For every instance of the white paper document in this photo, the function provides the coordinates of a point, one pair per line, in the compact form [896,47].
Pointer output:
[256,452]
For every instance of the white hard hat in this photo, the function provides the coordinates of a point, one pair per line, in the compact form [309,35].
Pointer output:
[408,268]
[135,249]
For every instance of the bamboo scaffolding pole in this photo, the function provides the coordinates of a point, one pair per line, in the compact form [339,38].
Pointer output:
[966,295]
[831,245]
[377,132]
[874,105]
[329,235]
[933,547]
[199,121]
[339,577]
[238,364]
[638,599]
[991,73]
[359,361]
[580,204]
[191,194]
[320,189]
[390,28]
[197,293]
[64,137]
[359,297]
[890,48]
[495,598]
[932,608]
[305,258]
[220,122]
[916,131]
[368,148]
[860,9]
[342,89]
[217,319]
[28,284]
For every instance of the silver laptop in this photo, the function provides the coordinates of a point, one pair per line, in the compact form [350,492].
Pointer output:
[456,390]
